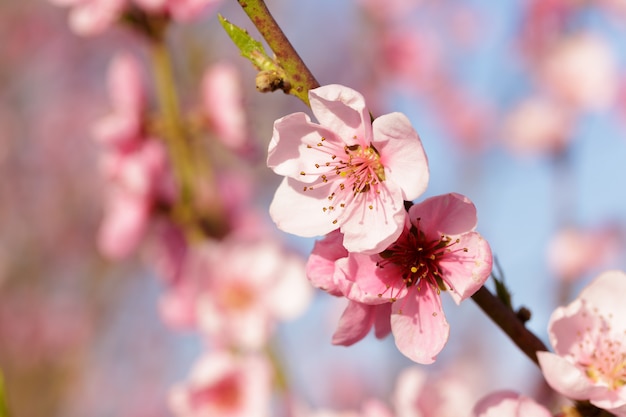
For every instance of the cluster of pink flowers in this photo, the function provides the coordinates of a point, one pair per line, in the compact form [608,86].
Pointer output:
[134,164]
[91,17]
[350,178]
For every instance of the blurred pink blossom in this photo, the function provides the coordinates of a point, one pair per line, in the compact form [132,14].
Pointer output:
[370,408]
[410,58]
[124,124]
[346,172]
[222,99]
[389,10]
[243,289]
[447,394]
[91,17]
[573,251]
[537,126]
[509,404]
[179,10]
[589,340]
[581,71]
[137,179]
[225,385]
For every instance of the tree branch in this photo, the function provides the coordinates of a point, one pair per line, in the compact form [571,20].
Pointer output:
[509,322]
[297,75]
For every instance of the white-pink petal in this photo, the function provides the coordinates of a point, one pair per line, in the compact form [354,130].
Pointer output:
[371,226]
[288,153]
[606,294]
[301,212]
[419,325]
[467,271]
[565,377]
[402,154]
[343,111]
[449,214]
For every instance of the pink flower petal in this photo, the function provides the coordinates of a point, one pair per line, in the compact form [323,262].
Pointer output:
[565,377]
[123,226]
[449,214]
[419,325]
[402,154]
[320,267]
[354,324]
[567,324]
[369,284]
[343,111]
[606,294]
[288,154]
[299,212]
[371,226]
[467,271]
[382,320]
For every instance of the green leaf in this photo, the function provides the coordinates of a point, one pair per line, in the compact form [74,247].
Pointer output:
[249,47]
[3,402]
[502,291]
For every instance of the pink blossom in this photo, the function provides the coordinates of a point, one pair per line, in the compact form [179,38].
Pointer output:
[125,123]
[574,251]
[345,172]
[91,17]
[447,394]
[247,288]
[509,404]
[370,408]
[389,10]
[568,74]
[437,251]
[179,10]
[589,340]
[137,179]
[537,126]
[222,384]
[222,99]
[398,289]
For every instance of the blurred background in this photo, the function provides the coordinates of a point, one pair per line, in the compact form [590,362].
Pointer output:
[520,105]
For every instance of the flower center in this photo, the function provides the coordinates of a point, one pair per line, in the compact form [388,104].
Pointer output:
[362,169]
[418,258]
[606,359]
[349,172]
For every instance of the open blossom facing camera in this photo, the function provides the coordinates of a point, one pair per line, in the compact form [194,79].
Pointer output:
[346,172]
[438,250]
[589,340]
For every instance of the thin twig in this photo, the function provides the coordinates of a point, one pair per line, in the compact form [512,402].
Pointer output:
[297,74]
[508,321]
